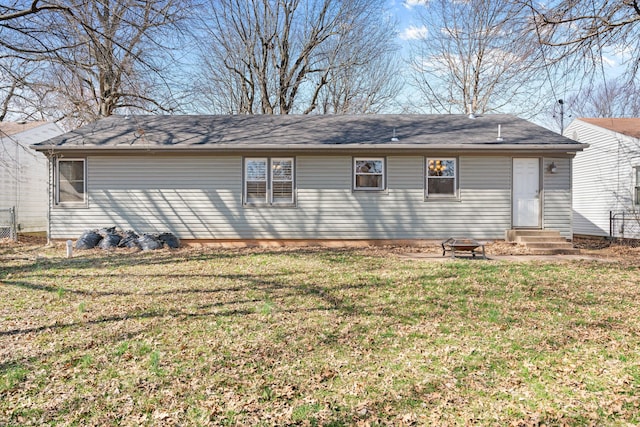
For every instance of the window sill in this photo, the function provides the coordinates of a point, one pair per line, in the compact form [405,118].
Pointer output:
[269,205]
[369,191]
[82,205]
[433,199]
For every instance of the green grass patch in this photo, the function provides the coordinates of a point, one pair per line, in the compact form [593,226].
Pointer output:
[12,377]
[315,337]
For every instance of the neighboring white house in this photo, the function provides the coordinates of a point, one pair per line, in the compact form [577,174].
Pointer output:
[23,173]
[606,177]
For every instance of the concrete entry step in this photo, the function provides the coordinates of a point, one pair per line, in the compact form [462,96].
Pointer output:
[540,239]
[512,235]
[555,251]
[541,242]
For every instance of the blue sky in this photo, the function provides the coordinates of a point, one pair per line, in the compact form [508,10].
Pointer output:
[410,28]
[405,12]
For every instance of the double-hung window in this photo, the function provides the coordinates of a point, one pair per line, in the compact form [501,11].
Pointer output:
[368,173]
[441,178]
[268,181]
[71,183]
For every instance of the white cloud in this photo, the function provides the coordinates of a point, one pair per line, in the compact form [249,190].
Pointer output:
[609,61]
[414,33]
[409,4]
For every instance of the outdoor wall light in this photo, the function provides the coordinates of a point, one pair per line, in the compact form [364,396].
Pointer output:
[553,168]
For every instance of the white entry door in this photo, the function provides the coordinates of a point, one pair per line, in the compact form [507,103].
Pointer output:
[526,192]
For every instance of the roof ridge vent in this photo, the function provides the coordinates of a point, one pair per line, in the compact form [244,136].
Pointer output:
[471,115]
[394,138]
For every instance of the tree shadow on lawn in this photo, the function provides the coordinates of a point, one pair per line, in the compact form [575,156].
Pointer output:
[149,314]
[96,258]
[93,292]
[270,283]
[137,316]
[329,297]
[254,283]
[57,354]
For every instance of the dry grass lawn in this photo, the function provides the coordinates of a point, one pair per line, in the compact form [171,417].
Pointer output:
[315,337]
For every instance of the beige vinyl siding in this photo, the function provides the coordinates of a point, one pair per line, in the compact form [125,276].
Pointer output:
[200,197]
[190,196]
[557,196]
[485,193]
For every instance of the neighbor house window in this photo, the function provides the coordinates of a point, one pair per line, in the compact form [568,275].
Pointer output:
[368,174]
[71,183]
[637,184]
[268,181]
[441,177]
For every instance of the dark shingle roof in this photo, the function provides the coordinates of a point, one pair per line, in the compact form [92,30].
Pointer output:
[320,132]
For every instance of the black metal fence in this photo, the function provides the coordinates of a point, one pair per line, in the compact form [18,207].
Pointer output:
[8,224]
[624,225]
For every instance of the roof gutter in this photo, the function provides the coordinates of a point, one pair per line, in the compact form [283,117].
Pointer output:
[492,147]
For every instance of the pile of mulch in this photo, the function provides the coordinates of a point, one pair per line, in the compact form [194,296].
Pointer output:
[590,243]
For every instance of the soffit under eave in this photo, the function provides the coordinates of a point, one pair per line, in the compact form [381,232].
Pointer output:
[540,149]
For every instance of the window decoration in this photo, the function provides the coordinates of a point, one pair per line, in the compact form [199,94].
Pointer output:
[441,177]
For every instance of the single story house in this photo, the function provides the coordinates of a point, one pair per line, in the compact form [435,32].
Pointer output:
[606,177]
[23,173]
[291,178]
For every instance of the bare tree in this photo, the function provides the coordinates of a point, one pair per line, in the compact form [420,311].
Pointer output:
[98,56]
[19,9]
[480,56]
[616,98]
[16,98]
[364,89]
[278,57]
[9,86]
[580,30]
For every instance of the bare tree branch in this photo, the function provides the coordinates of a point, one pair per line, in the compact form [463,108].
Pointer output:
[7,14]
[277,57]
[583,30]
[478,56]
[603,101]
[99,55]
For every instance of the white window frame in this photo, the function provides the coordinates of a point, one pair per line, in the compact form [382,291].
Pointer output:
[269,179]
[272,179]
[57,201]
[453,195]
[246,180]
[383,173]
